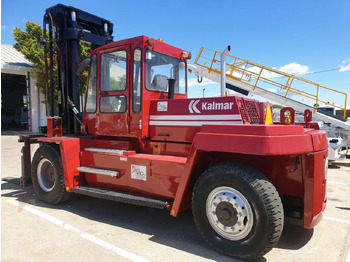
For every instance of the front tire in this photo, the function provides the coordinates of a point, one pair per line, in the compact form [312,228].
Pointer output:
[237,210]
[47,175]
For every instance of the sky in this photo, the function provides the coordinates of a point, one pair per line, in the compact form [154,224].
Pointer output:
[309,38]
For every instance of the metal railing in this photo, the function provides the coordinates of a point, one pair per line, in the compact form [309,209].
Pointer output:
[256,75]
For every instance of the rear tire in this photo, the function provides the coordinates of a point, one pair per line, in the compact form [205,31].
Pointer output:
[237,210]
[47,175]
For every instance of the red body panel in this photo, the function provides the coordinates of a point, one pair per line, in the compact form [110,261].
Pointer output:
[70,148]
[314,187]
[254,144]
[179,120]
[280,156]
[161,179]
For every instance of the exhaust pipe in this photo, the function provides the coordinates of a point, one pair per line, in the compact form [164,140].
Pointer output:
[223,70]
[171,90]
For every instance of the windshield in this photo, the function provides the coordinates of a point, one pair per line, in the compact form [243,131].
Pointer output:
[161,67]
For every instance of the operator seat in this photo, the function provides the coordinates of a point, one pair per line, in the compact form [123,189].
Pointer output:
[160,83]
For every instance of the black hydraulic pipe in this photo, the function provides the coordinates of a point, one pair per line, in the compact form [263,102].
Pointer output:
[78,115]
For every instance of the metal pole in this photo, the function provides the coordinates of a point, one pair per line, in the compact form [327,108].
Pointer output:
[223,70]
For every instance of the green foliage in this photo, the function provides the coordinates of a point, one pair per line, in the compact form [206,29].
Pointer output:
[277,106]
[27,42]
[85,49]
[27,45]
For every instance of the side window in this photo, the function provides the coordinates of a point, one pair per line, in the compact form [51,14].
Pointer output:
[113,104]
[136,90]
[113,71]
[91,92]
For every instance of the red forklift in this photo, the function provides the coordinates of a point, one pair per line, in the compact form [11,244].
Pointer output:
[140,140]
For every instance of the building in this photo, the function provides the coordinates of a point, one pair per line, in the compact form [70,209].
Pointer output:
[21,101]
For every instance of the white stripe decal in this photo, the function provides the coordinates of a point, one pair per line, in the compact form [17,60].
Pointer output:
[190,106]
[121,252]
[195,117]
[192,123]
[195,109]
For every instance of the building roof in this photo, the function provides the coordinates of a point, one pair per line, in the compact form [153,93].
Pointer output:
[12,59]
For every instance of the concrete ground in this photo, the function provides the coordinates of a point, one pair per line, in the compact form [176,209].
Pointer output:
[88,229]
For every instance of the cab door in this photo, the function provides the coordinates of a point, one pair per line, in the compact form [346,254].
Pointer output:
[113,102]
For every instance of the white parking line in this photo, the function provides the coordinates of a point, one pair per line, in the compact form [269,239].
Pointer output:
[82,234]
[337,183]
[337,219]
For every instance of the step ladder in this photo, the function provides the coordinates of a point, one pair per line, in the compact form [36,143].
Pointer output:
[288,90]
[122,197]
[100,171]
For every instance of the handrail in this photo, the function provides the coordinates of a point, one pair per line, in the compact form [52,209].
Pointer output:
[251,74]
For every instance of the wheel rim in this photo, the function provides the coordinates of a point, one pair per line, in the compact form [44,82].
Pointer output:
[46,175]
[229,213]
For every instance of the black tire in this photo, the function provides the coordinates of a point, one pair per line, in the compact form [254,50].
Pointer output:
[47,175]
[244,208]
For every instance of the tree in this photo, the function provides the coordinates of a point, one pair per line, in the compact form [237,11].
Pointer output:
[27,42]
[27,45]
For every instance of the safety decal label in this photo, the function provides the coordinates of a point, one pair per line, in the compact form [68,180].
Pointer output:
[162,106]
[139,172]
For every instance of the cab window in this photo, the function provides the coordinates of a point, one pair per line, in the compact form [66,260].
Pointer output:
[113,104]
[90,106]
[113,71]
[136,90]
[160,68]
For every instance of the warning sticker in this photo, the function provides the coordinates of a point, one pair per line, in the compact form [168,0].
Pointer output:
[162,106]
[139,172]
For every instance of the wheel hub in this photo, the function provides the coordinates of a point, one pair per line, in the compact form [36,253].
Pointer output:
[46,175]
[229,213]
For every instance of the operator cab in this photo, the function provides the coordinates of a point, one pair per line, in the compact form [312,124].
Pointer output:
[124,77]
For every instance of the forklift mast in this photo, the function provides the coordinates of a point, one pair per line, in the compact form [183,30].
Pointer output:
[67,26]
